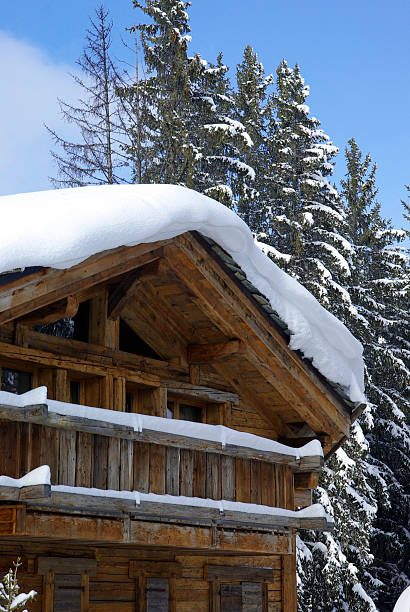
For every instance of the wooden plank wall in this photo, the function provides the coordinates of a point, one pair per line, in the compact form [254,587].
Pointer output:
[87,460]
[113,588]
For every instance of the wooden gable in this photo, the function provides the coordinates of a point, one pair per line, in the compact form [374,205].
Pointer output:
[193,325]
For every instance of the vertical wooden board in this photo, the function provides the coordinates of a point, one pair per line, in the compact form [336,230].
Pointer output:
[119,393]
[289,600]
[186,476]
[213,484]
[157,469]
[199,475]
[289,488]
[25,450]
[62,387]
[102,331]
[159,402]
[172,471]
[107,392]
[267,484]
[34,446]
[114,456]
[243,480]
[84,463]
[92,394]
[67,458]
[227,478]
[278,487]
[126,465]
[50,442]
[48,592]
[100,461]
[141,467]
[9,434]
[45,377]
[256,485]
[85,592]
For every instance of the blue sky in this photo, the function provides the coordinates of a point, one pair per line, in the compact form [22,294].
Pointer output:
[353,54]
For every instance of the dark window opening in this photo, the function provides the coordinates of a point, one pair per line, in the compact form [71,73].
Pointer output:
[82,322]
[170,410]
[190,413]
[129,402]
[76,328]
[130,342]
[15,381]
[75,392]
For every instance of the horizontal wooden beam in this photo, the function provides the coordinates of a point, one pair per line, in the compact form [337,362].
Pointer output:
[167,512]
[105,428]
[308,480]
[212,353]
[200,392]
[66,565]
[28,493]
[65,308]
[124,292]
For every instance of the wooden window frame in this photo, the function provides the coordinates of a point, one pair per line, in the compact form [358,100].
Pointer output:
[141,570]
[231,574]
[48,567]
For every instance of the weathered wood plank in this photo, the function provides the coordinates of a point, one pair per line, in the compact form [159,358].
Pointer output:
[126,465]
[186,472]
[157,469]
[228,478]
[100,462]
[199,476]
[213,483]
[172,471]
[141,467]
[243,480]
[211,353]
[114,464]
[84,462]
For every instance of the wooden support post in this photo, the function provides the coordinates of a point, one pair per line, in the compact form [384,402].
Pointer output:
[119,393]
[102,330]
[159,402]
[289,598]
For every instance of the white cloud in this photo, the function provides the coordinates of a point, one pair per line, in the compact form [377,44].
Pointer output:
[30,84]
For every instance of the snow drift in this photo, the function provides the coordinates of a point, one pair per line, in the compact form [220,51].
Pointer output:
[61,228]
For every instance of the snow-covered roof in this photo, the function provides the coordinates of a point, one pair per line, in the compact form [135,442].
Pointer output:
[61,228]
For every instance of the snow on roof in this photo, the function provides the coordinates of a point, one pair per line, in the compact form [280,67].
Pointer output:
[61,228]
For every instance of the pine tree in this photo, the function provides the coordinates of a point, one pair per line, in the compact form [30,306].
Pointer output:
[98,156]
[10,596]
[380,290]
[252,111]
[307,235]
[305,219]
[219,136]
[167,92]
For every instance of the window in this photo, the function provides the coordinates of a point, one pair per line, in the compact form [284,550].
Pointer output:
[75,392]
[15,381]
[157,594]
[178,409]
[239,589]
[243,596]
[66,583]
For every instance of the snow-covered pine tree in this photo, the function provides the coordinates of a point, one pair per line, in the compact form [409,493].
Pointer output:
[167,90]
[306,235]
[220,137]
[10,597]
[380,291]
[252,111]
[98,156]
[304,212]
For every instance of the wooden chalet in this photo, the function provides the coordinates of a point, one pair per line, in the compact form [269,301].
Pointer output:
[170,329]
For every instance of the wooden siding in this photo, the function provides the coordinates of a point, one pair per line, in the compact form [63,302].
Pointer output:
[91,460]
[115,587]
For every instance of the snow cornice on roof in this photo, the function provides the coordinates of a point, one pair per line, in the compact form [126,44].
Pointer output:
[59,229]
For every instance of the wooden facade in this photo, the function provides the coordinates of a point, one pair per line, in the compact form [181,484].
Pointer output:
[173,330]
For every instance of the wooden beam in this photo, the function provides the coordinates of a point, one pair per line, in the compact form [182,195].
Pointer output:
[212,353]
[303,498]
[186,389]
[123,293]
[48,286]
[28,493]
[65,308]
[66,565]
